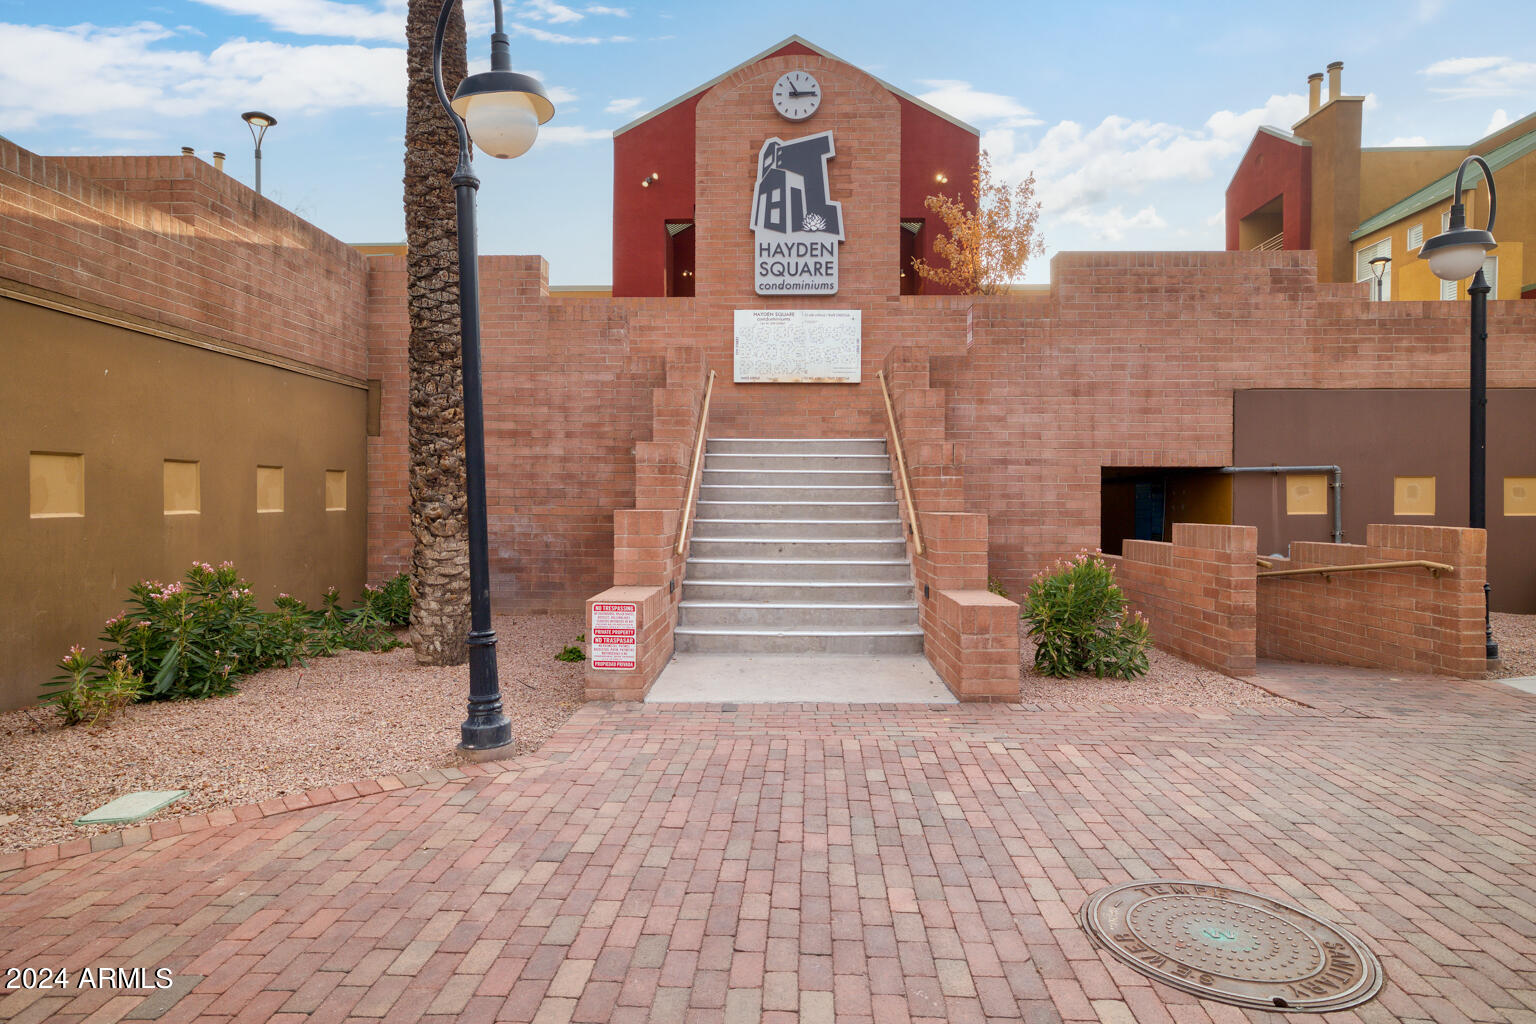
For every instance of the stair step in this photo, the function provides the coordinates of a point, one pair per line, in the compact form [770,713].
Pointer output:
[760,510]
[795,446]
[786,460]
[826,529]
[797,547]
[769,641]
[882,570]
[808,591]
[796,492]
[796,616]
[798,477]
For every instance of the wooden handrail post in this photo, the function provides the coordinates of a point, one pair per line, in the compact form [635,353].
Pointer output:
[901,465]
[693,473]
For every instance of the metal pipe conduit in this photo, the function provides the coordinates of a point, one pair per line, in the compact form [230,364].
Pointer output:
[1336,485]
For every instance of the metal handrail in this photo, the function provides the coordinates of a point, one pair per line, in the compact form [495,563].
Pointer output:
[1435,568]
[1274,243]
[901,465]
[693,474]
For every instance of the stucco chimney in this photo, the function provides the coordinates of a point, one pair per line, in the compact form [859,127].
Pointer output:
[187,151]
[1314,91]
[218,160]
[1335,85]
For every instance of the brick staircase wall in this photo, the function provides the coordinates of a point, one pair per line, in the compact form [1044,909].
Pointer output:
[647,567]
[970,635]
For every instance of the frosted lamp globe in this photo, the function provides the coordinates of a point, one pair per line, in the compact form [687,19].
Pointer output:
[1456,262]
[502,124]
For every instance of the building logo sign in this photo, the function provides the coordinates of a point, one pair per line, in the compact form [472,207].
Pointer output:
[795,224]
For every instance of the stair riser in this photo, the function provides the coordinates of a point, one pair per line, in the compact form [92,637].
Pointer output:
[818,571]
[852,617]
[770,494]
[796,478]
[889,593]
[799,644]
[704,529]
[834,446]
[761,463]
[784,510]
[797,549]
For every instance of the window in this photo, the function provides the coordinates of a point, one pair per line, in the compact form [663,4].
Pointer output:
[58,485]
[1449,290]
[1413,496]
[1416,237]
[269,488]
[1445,222]
[1491,272]
[335,490]
[1306,494]
[1364,271]
[1520,495]
[183,493]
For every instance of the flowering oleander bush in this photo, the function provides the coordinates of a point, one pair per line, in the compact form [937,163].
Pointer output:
[392,601]
[195,637]
[87,689]
[1078,619]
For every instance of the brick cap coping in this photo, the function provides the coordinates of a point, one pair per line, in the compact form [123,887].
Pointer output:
[219,817]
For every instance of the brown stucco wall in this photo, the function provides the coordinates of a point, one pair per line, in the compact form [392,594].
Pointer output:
[127,400]
[1374,436]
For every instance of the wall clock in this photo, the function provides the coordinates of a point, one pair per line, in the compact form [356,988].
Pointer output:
[796,95]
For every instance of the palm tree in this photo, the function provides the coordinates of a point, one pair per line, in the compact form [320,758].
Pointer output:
[440,552]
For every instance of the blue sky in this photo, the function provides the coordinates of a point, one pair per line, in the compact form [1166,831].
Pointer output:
[1132,115]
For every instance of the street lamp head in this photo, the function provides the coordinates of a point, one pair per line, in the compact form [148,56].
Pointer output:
[1457,253]
[1379,265]
[257,119]
[503,111]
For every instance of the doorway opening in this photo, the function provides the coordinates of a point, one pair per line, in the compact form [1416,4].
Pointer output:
[1143,502]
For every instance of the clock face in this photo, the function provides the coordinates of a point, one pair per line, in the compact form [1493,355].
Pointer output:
[796,95]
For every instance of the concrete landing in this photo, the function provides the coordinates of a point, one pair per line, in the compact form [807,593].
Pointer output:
[1525,684]
[695,678]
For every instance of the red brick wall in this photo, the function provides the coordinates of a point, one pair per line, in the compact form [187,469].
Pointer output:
[173,241]
[1404,619]
[1197,592]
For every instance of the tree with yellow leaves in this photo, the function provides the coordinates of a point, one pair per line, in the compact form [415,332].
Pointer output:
[986,241]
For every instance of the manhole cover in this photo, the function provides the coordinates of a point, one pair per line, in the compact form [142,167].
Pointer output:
[1232,945]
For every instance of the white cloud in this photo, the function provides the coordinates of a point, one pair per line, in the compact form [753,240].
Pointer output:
[1217,219]
[1111,225]
[559,95]
[1077,167]
[1484,76]
[543,36]
[1499,120]
[548,10]
[615,12]
[1429,10]
[969,104]
[1408,140]
[321,17]
[116,80]
[567,134]
[623,106]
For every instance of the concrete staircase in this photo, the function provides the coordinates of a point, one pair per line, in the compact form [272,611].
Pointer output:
[797,547]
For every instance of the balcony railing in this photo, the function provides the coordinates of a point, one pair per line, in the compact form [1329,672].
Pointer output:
[1272,244]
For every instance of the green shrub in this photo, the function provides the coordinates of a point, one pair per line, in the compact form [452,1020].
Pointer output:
[995,586]
[196,637]
[1077,617]
[391,601]
[573,652]
[87,690]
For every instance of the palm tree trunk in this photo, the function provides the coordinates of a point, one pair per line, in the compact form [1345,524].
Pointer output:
[440,552]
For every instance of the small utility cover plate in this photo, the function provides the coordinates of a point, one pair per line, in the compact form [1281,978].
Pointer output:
[1232,945]
[127,809]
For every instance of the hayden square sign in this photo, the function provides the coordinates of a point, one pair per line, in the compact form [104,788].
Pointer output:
[795,224]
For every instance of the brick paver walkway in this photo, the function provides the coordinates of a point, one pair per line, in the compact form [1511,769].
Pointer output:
[829,863]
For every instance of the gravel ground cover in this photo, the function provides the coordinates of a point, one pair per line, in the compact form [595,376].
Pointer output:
[1516,636]
[1170,680]
[341,719]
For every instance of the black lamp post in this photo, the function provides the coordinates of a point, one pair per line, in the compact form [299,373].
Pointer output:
[505,109]
[1453,255]
[1379,268]
[258,123]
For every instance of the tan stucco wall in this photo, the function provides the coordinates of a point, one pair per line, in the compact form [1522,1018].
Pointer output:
[1387,175]
[128,401]
[1334,132]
